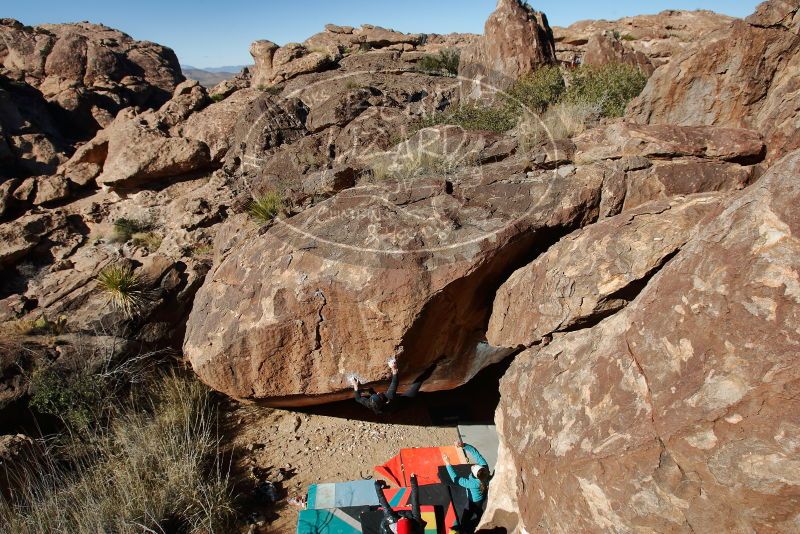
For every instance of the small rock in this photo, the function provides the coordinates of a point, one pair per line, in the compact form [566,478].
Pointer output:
[289,425]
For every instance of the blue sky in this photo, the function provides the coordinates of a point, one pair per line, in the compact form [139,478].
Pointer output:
[214,33]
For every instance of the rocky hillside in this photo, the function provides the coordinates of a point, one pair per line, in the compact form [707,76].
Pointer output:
[351,199]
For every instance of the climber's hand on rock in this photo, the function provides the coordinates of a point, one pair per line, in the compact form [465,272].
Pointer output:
[459,444]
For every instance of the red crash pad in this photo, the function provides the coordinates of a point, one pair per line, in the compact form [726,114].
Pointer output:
[424,462]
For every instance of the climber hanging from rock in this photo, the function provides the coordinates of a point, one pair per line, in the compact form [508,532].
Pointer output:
[381,403]
[401,521]
[476,484]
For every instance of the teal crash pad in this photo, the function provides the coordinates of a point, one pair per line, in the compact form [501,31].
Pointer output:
[341,495]
[335,521]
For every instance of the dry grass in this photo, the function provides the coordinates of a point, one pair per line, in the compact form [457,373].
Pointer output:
[154,470]
[561,121]
[265,208]
[148,240]
[415,164]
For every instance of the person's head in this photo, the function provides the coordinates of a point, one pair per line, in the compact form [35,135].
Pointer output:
[480,472]
[377,402]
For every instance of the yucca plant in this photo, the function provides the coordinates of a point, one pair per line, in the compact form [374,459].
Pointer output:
[266,207]
[124,288]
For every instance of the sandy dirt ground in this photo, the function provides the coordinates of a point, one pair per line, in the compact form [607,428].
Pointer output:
[340,442]
[309,448]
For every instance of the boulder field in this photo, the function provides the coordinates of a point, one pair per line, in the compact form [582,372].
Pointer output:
[641,278]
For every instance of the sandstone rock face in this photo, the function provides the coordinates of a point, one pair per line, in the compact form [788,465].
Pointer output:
[20,236]
[216,124]
[289,313]
[137,149]
[658,37]
[647,162]
[624,139]
[88,70]
[556,293]
[138,153]
[516,41]
[603,49]
[31,142]
[679,413]
[742,77]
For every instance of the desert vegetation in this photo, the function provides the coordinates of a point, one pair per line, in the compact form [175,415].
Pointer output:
[563,102]
[149,465]
[444,63]
[263,209]
[124,289]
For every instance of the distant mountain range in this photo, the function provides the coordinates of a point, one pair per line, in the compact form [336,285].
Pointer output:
[211,76]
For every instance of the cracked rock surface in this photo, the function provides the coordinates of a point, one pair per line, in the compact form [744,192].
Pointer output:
[679,413]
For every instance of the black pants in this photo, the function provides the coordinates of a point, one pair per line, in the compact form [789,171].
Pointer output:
[471,516]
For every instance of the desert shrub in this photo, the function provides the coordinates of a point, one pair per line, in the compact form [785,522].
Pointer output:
[78,399]
[124,229]
[124,288]
[444,63]
[609,87]
[629,37]
[270,89]
[265,208]
[201,250]
[149,240]
[155,469]
[475,117]
[412,165]
[33,327]
[561,121]
[218,97]
[536,91]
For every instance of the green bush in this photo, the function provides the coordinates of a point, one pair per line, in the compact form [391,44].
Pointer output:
[124,229]
[446,63]
[218,97]
[266,207]
[536,91]
[79,399]
[476,117]
[610,87]
[124,288]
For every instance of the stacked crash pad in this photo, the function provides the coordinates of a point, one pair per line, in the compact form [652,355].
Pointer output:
[352,507]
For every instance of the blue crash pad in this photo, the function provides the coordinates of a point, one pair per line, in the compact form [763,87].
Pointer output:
[341,495]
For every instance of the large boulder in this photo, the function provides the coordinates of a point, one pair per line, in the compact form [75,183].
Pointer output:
[680,412]
[87,71]
[137,149]
[648,162]
[658,37]
[395,269]
[139,154]
[517,40]
[561,292]
[745,76]
[216,124]
[604,49]
[274,64]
